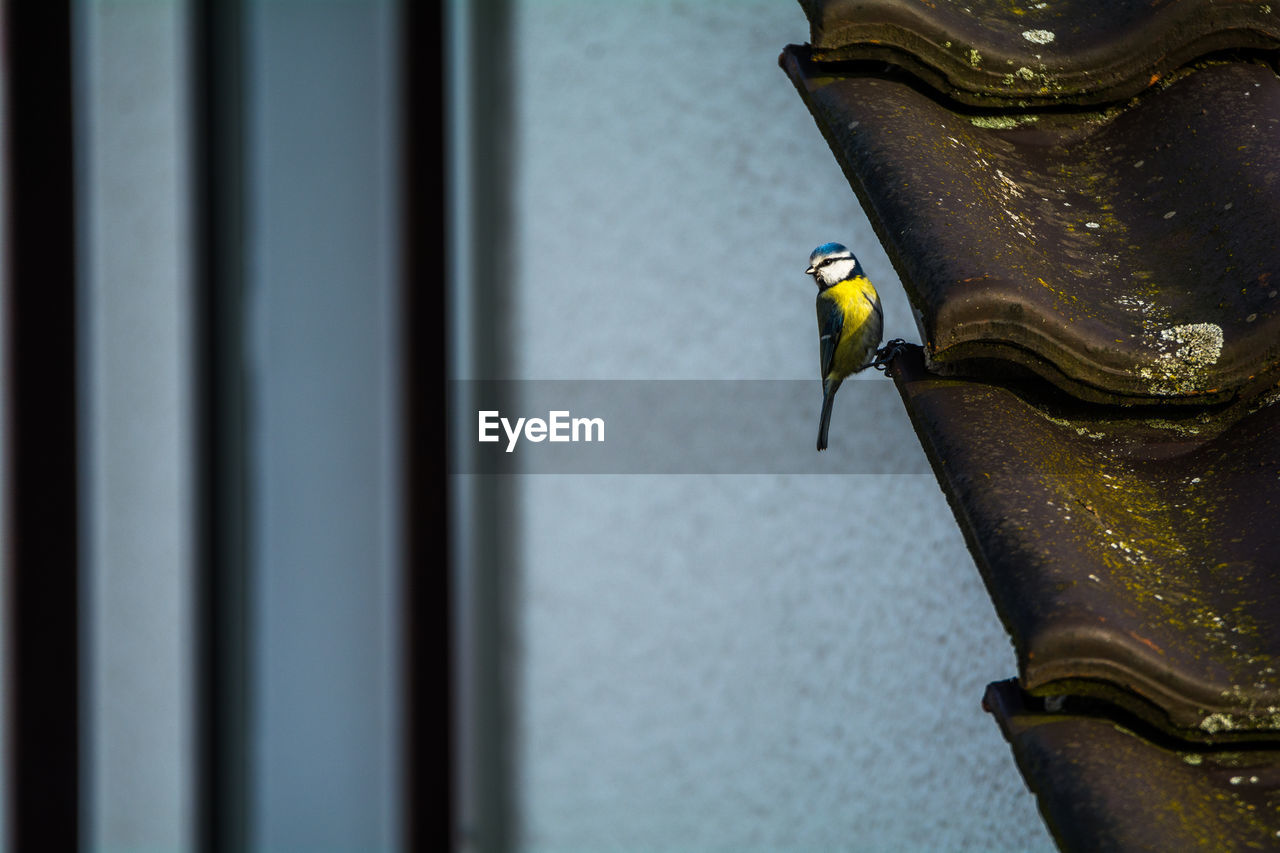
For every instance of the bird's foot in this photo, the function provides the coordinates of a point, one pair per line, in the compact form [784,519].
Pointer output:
[888,353]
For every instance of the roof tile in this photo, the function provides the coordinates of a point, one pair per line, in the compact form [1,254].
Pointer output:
[1104,785]
[1131,557]
[1129,255]
[1067,51]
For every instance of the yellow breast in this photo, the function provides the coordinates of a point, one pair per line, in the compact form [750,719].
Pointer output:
[855,298]
[861,329]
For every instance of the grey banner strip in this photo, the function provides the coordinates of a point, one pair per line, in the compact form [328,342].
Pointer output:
[679,427]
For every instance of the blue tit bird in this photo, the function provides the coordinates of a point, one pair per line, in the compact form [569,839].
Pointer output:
[850,322]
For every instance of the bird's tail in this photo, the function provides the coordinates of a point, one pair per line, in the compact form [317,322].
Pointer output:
[828,399]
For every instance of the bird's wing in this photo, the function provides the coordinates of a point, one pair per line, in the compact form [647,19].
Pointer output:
[874,299]
[830,324]
[877,319]
[872,329]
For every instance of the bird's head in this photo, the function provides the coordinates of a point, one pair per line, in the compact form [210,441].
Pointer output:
[832,263]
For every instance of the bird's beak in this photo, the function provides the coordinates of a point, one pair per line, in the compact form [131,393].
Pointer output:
[810,271]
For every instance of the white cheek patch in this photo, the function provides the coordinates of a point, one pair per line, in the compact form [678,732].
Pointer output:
[838,270]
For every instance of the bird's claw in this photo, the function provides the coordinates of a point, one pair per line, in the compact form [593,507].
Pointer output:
[888,353]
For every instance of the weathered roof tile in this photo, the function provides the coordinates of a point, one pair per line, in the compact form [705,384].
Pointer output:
[1103,785]
[1067,51]
[1100,290]
[1129,255]
[1132,557]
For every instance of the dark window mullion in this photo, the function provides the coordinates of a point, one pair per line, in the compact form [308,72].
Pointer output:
[217,207]
[427,676]
[41,526]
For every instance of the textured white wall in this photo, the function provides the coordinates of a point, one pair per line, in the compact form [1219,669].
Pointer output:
[742,662]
